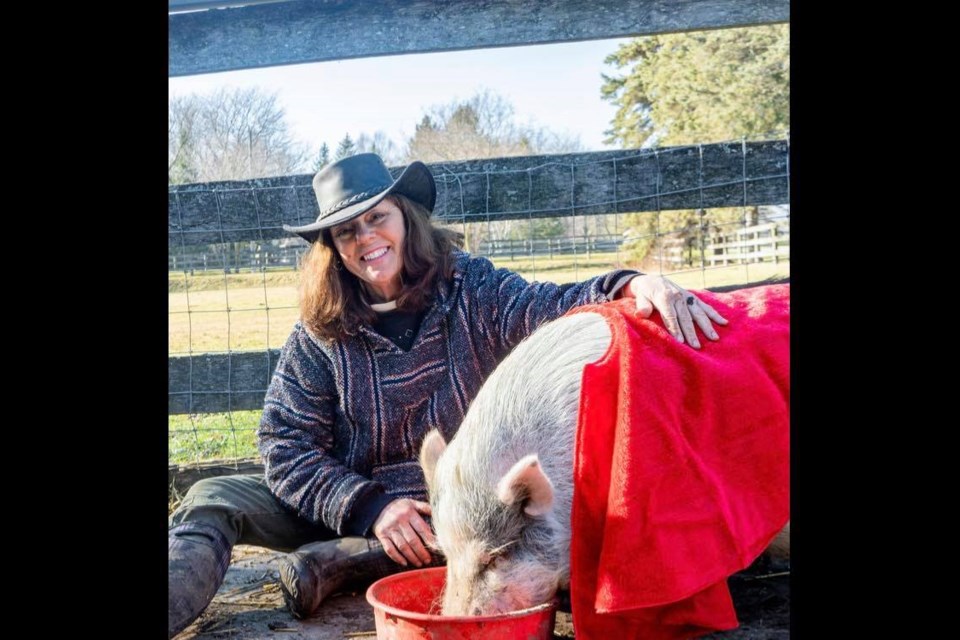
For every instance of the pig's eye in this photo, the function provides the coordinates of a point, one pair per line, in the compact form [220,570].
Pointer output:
[489,559]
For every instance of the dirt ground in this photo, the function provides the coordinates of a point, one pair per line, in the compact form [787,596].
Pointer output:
[250,606]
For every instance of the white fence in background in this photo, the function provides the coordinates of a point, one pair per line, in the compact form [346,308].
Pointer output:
[768,242]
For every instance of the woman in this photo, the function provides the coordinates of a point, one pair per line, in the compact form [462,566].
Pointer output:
[398,330]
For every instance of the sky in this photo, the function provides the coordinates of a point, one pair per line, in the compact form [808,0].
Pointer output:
[555,86]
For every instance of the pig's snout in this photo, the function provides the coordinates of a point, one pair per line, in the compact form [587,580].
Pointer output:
[504,587]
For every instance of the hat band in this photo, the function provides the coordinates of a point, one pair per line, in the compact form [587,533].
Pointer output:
[363,195]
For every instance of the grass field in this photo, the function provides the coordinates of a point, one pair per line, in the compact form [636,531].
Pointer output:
[256,311]
[192,438]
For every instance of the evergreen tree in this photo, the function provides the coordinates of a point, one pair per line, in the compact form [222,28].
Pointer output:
[698,87]
[322,159]
[345,148]
[691,88]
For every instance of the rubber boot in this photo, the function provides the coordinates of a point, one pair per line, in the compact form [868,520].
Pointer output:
[316,570]
[199,556]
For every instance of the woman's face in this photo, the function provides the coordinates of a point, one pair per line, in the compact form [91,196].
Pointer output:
[371,248]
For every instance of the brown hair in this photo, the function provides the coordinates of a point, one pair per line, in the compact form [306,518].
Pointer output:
[331,305]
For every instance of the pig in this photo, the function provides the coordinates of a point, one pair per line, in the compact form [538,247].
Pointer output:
[501,491]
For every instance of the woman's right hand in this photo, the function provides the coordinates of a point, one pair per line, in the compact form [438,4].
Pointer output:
[403,532]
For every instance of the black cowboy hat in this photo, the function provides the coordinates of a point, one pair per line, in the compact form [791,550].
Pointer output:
[354,185]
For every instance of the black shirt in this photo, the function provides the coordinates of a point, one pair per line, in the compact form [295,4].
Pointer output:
[400,327]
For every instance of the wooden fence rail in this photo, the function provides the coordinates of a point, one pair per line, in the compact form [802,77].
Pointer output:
[726,174]
[296,31]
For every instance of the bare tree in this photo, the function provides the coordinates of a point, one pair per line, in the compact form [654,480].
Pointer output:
[380,144]
[230,135]
[182,120]
[482,127]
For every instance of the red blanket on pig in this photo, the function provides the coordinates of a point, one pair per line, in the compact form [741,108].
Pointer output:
[681,474]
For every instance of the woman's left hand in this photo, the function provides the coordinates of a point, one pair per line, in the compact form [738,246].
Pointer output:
[679,308]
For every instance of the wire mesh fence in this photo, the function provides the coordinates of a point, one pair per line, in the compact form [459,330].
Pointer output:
[705,215]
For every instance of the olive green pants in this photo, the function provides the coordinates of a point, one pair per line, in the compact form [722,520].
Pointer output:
[242,508]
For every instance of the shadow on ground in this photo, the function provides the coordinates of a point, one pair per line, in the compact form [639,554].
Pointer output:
[250,606]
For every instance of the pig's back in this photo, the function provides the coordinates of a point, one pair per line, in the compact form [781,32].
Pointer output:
[529,403]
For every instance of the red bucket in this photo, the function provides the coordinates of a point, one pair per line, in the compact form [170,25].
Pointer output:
[404,606]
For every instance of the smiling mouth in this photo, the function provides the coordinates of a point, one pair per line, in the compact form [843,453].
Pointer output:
[373,255]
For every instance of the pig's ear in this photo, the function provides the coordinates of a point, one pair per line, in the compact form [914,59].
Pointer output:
[433,445]
[526,481]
